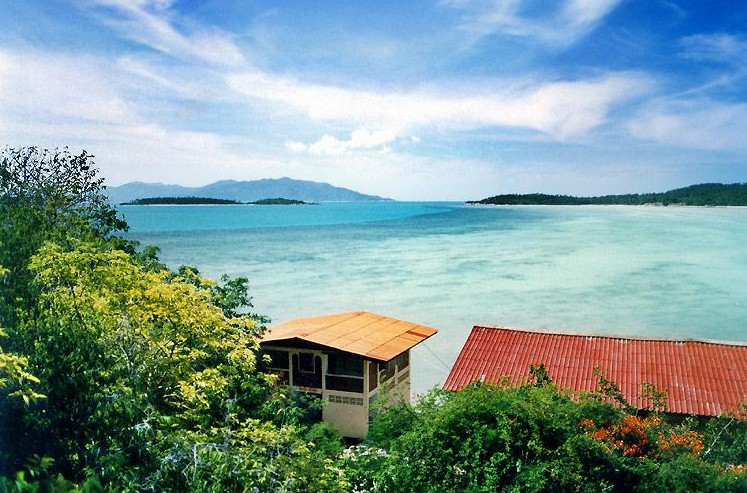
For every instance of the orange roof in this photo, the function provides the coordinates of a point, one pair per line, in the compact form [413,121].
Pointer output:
[363,333]
[699,377]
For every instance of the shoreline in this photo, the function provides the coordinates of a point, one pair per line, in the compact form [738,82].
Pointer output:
[652,205]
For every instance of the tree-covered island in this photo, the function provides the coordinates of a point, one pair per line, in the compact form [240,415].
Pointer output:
[705,194]
[181,201]
[118,373]
[278,201]
[209,201]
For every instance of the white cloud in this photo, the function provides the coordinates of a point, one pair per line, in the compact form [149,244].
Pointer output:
[295,146]
[557,23]
[39,86]
[328,146]
[562,110]
[718,47]
[149,22]
[697,124]
[361,139]
[52,100]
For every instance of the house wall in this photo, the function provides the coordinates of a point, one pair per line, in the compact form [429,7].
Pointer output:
[394,378]
[347,411]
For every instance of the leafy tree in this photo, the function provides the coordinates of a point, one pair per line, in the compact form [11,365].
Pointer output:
[149,376]
[14,375]
[151,382]
[45,195]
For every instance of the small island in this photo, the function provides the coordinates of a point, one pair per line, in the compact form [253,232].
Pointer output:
[210,201]
[181,201]
[705,194]
[278,201]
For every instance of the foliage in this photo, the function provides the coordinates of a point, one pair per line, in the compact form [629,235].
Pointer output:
[157,370]
[45,195]
[35,478]
[13,371]
[149,377]
[14,375]
[644,437]
[711,194]
[532,438]
[725,438]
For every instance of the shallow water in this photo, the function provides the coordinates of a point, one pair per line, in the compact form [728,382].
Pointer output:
[641,271]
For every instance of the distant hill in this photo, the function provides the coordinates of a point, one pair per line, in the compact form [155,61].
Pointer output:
[242,191]
[712,194]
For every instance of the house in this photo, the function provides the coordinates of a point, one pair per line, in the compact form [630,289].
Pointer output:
[699,377]
[346,359]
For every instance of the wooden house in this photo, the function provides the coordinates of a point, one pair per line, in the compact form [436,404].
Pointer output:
[347,360]
[699,377]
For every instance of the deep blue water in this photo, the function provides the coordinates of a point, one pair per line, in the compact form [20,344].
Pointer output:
[641,271]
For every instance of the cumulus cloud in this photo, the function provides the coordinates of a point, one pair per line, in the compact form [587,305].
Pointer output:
[361,139]
[295,146]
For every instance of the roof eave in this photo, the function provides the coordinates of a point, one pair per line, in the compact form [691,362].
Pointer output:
[289,340]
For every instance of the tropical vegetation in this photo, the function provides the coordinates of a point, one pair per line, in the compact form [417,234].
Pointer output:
[119,374]
[536,438]
[705,194]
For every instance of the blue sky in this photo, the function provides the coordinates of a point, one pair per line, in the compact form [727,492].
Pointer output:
[444,100]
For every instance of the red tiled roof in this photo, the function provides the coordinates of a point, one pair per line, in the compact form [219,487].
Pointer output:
[699,377]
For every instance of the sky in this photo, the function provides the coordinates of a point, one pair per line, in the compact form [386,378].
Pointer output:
[412,100]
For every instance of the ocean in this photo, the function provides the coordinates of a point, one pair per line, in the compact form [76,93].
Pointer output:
[638,271]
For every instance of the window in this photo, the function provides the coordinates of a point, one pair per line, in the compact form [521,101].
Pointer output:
[402,361]
[373,376]
[344,384]
[306,362]
[387,370]
[348,365]
[279,359]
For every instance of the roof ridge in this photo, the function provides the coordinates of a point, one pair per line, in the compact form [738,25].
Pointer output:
[613,336]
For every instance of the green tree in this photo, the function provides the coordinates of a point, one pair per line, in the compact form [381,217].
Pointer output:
[151,382]
[149,376]
[45,195]
[531,438]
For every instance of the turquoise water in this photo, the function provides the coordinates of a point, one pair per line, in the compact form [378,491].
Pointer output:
[641,271]
[149,219]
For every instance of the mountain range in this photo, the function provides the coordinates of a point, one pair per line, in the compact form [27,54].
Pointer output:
[243,191]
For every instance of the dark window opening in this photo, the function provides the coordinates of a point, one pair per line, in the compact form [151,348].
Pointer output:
[306,362]
[344,364]
[373,376]
[344,384]
[307,370]
[278,359]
